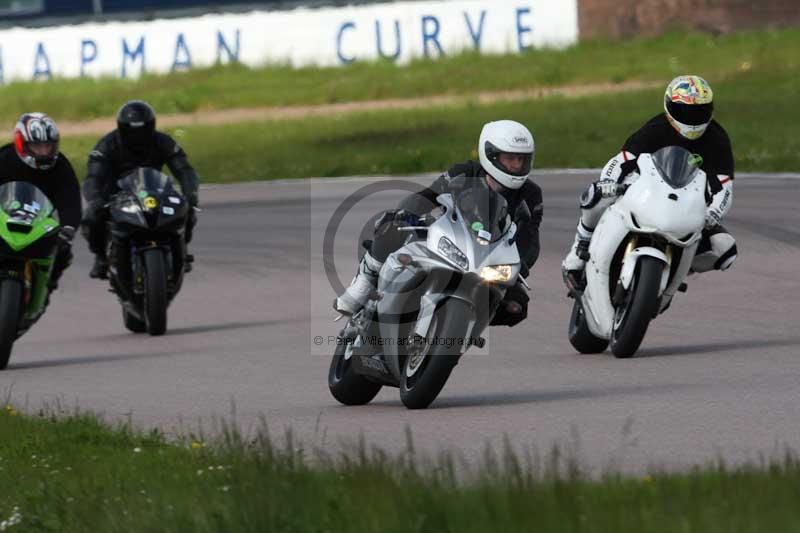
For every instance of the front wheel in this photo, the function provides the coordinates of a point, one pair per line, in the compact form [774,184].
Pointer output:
[633,317]
[581,338]
[10,309]
[426,370]
[345,385]
[155,291]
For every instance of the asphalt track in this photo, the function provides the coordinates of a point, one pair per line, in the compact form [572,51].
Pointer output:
[718,376]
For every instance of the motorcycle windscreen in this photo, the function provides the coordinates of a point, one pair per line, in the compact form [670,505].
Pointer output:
[25,203]
[676,165]
[146,180]
[485,212]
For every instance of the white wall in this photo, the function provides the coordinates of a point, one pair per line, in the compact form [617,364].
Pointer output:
[329,37]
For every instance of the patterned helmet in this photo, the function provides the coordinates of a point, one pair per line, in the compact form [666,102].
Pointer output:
[689,103]
[36,140]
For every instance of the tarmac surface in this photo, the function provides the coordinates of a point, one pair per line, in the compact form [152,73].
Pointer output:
[718,376]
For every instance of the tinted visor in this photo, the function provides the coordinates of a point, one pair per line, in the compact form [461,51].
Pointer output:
[691,115]
[519,164]
[137,136]
[42,151]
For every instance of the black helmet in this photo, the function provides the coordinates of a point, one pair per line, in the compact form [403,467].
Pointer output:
[136,123]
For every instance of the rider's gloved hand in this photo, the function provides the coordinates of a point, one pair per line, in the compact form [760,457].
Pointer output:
[607,188]
[513,308]
[524,271]
[66,233]
[192,200]
[398,217]
[713,217]
[406,218]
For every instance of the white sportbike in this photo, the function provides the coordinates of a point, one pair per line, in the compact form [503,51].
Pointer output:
[640,253]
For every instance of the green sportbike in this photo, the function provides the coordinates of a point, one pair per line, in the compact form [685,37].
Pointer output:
[29,227]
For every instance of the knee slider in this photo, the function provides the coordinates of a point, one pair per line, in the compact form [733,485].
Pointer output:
[720,254]
[723,246]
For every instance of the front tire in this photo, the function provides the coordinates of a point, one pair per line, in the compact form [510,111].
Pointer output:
[10,309]
[425,375]
[641,305]
[155,292]
[581,338]
[345,385]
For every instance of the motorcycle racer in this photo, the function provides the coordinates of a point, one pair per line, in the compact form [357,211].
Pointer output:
[686,122]
[506,152]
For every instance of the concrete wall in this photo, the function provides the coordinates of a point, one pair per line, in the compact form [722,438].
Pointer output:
[628,18]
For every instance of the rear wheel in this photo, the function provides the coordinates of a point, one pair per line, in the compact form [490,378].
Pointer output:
[632,318]
[10,309]
[345,385]
[132,323]
[581,338]
[427,369]
[155,292]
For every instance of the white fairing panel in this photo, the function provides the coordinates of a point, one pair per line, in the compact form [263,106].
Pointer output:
[607,237]
[650,205]
[657,207]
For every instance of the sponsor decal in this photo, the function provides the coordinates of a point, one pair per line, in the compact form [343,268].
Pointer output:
[696,160]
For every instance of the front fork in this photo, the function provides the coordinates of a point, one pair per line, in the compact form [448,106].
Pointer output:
[137,253]
[36,274]
[128,268]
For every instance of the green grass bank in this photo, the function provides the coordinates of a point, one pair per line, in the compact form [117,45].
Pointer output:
[73,474]
[758,108]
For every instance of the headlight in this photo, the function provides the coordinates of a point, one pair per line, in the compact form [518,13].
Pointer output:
[451,251]
[131,208]
[496,273]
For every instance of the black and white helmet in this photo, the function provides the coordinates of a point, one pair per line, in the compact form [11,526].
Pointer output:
[36,140]
[506,136]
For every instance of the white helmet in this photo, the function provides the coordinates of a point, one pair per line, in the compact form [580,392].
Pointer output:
[506,136]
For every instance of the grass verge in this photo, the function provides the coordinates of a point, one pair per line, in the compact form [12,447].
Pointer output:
[758,108]
[73,473]
[224,87]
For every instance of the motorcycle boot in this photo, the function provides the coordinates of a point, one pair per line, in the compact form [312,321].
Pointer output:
[575,262]
[360,289]
[100,268]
